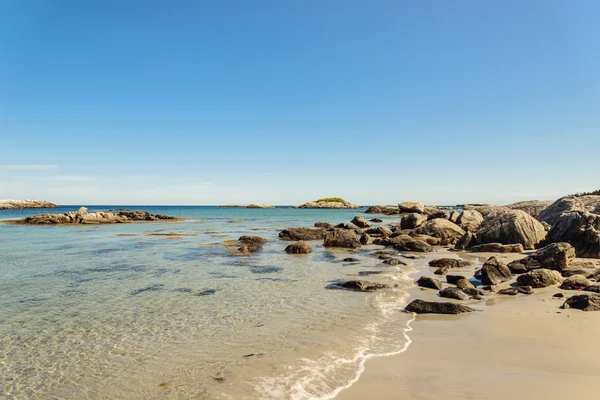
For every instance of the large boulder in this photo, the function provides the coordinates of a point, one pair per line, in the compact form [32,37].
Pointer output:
[567,204]
[302,234]
[511,227]
[361,222]
[433,212]
[575,282]
[540,278]
[466,241]
[497,248]
[298,248]
[441,228]
[412,207]
[324,225]
[385,210]
[531,207]
[431,307]
[484,209]
[585,302]
[494,272]
[412,221]
[581,229]
[342,238]
[415,245]
[469,220]
[454,215]
[555,256]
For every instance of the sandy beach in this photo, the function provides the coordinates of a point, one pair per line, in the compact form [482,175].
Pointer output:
[519,347]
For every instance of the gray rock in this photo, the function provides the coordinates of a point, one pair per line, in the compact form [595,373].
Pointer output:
[497,248]
[361,222]
[575,282]
[469,220]
[302,234]
[511,227]
[342,238]
[454,293]
[298,248]
[411,206]
[585,302]
[430,307]
[539,278]
[552,213]
[430,283]
[412,221]
[494,272]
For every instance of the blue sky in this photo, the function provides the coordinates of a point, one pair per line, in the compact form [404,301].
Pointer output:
[197,102]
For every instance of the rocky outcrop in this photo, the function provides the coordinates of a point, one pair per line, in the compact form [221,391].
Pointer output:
[342,238]
[302,234]
[466,241]
[298,248]
[433,212]
[539,278]
[483,209]
[258,205]
[324,225]
[412,221]
[555,256]
[470,220]
[494,272]
[447,231]
[584,302]
[511,227]
[431,307]
[430,283]
[361,222]
[410,244]
[411,207]
[454,215]
[22,204]
[450,263]
[380,231]
[581,229]
[84,217]
[531,207]
[335,204]
[567,204]
[385,210]
[497,248]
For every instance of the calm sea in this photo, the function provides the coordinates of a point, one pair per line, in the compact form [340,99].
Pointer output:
[161,311]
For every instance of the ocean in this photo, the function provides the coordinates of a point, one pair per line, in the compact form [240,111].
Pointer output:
[162,311]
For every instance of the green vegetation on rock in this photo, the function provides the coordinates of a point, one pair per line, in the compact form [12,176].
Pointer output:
[595,193]
[331,200]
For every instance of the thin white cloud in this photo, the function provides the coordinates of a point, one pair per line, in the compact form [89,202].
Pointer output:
[27,167]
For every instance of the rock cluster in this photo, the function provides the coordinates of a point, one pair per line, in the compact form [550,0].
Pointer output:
[22,204]
[84,217]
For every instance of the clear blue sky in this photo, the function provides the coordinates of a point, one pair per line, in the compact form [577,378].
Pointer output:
[198,102]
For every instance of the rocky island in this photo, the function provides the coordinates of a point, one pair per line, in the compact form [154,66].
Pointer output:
[86,218]
[329,202]
[22,204]
[253,205]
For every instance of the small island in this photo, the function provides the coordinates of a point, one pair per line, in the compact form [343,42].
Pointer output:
[83,217]
[22,204]
[254,205]
[329,202]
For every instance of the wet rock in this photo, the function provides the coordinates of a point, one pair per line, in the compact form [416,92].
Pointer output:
[252,240]
[362,286]
[453,279]
[361,222]
[430,307]
[558,295]
[525,289]
[441,271]
[509,291]
[454,293]
[365,273]
[376,220]
[351,259]
[324,225]
[539,278]
[555,256]
[447,231]
[494,272]
[298,248]
[511,227]
[450,263]
[342,238]
[497,248]
[411,207]
[575,282]
[464,284]
[366,239]
[430,283]
[394,261]
[474,293]
[466,241]
[584,302]
[385,210]
[302,234]
[469,220]
[412,221]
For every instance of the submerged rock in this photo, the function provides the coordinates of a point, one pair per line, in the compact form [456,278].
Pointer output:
[298,248]
[302,234]
[431,307]
[362,286]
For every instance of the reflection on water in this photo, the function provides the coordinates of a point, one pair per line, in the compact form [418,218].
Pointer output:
[110,312]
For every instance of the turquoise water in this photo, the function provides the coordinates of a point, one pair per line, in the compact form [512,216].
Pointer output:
[160,310]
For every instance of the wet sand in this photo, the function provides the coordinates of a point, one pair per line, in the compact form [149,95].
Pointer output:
[518,347]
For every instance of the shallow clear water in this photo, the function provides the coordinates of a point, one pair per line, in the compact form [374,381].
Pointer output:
[125,312]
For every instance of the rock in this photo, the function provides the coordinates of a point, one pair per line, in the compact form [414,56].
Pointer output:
[585,302]
[469,220]
[341,238]
[453,293]
[441,228]
[450,263]
[497,248]
[394,261]
[441,271]
[413,245]
[510,227]
[509,291]
[82,211]
[525,289]
[252,240]
[430,307]
[385,210]
[465,241]
[581,230]
[558,295]
[350,259]
[575,282]
[380,230]
[531,207]
[334,203]
[430,283]
[298,248]
[430,240]
[555,256]
[494,272]
[454,217]
[593,288]
[362,286]
[84,217]
[474,293]
[539,278]
[552,213]
[258,205]
[411,207]
[361,222]
[453,279]
[366,239]
[22,204]
[302,234]
[437,214]
[588,273]
[376,220]
[412,221]
[490,288]
[464,284]
[324,225]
